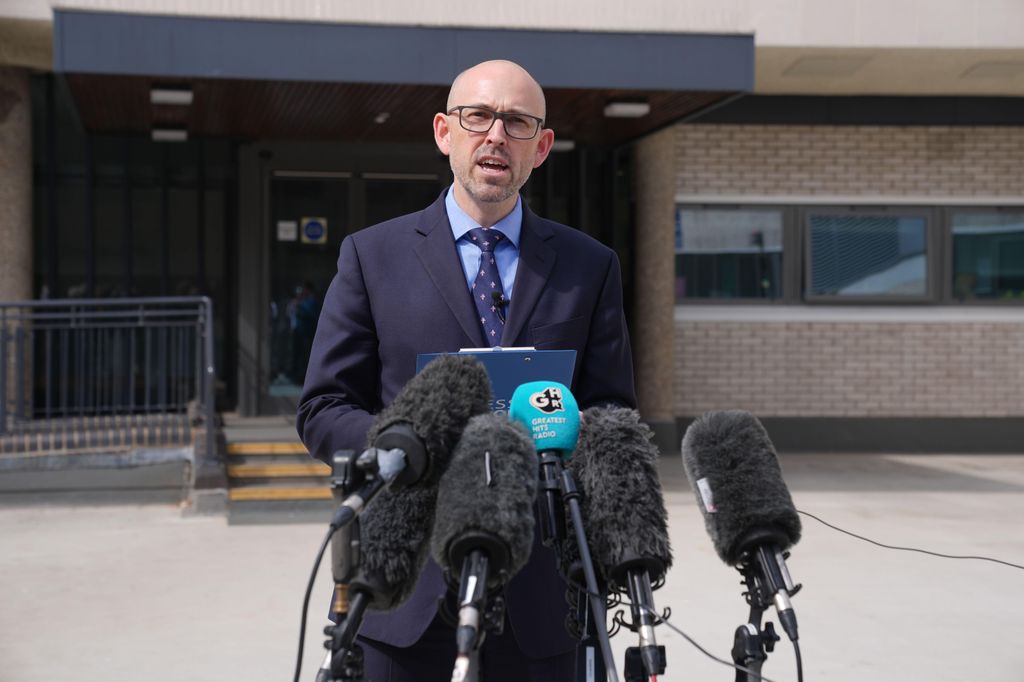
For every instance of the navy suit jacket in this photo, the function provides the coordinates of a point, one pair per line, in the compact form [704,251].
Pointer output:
[400,290]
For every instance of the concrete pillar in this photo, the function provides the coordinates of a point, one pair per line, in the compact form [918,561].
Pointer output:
[653,328]
[15,185]
[15,234]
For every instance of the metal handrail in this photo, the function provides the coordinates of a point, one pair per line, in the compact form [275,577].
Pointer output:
[112,355]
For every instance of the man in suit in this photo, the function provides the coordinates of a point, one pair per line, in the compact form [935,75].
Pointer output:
[425,283]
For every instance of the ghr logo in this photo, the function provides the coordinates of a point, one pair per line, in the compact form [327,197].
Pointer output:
[549,400]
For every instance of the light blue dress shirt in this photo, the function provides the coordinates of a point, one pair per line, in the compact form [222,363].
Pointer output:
[506,253]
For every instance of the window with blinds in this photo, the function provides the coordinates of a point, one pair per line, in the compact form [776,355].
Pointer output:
[858,255]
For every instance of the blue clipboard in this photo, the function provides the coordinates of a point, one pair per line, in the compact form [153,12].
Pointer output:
[510,367]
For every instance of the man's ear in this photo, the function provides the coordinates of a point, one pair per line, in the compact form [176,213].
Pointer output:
[547,139]
[442,133]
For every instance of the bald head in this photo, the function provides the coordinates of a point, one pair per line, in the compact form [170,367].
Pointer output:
[490,166]
[498,75]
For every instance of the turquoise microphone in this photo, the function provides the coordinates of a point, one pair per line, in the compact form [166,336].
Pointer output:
[551,416]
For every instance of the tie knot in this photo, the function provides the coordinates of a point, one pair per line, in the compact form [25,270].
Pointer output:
[485,237]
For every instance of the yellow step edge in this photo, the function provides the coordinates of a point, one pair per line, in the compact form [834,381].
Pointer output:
[265,448]
[278,470]
[271,494]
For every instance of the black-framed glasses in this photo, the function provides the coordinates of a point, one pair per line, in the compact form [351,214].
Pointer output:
[480,120]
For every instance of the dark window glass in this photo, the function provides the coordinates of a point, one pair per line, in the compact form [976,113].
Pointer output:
[309,218]
[388,198]
[988,256]
[728,253]
[71,239]
[867,255]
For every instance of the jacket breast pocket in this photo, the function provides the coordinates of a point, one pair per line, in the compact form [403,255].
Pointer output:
[567,334]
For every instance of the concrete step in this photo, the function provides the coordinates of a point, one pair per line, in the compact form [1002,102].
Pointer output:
[279,493]
[274,475]
[283,470]
[266,448]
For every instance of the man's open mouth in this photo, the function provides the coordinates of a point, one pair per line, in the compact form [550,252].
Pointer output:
[492,165]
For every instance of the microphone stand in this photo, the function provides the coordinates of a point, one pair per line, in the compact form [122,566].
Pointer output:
[589,667]
[476,612]
[648,659]
[355,481]
[469,631]
[571,497]
[763,566]
[751,644]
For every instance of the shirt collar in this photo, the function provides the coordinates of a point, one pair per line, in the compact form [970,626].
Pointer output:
[511,225]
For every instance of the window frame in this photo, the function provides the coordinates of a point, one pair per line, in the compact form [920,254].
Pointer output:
[796,252]
[786,213]
[933,253]
[948,295]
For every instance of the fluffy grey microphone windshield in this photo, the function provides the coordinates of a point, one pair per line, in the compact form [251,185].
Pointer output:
[438,403]
[485,499]
[395,528]
[735,473]
[615,465]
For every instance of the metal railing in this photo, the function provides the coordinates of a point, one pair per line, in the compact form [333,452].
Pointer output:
[82,374]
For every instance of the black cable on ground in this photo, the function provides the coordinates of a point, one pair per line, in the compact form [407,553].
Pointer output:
[911,549]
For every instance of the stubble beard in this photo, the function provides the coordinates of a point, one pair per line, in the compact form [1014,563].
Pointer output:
[487,192]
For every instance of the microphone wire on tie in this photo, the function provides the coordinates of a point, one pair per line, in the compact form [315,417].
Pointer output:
[500,302]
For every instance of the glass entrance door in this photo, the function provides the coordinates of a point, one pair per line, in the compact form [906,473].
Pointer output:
[310,214]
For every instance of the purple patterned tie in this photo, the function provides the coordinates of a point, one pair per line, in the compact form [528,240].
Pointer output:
[488,282]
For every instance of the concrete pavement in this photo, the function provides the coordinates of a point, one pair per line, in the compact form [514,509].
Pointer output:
[118,592]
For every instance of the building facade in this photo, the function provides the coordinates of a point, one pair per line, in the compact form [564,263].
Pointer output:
[819,207]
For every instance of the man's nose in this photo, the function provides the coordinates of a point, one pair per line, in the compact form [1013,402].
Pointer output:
[497,133]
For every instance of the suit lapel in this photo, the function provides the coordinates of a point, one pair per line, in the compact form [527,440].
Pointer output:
[536,260]
[436,252]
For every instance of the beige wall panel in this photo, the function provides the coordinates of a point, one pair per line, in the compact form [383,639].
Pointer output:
[32,10]
[851,369]
[649,15]
[889,71]
[889,23]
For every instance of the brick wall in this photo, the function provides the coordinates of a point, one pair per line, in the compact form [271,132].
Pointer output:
[844,364]
[843,160]
[851,369]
